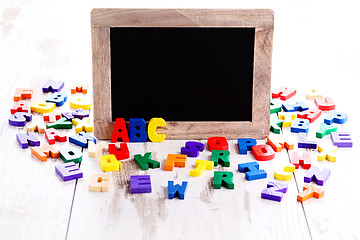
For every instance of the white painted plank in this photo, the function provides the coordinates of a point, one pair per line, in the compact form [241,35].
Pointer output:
[328,216]
[35,203]
[206,213]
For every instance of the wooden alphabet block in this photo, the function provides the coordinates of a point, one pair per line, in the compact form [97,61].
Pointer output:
[223,179]
[284,173]
[200,167]
[218,143]
[154,123]
[310,191]
[325,104]
[303,159]
[42,107]
[109,163]
[80,87]
[44,151]
[21,106]
[177,190]
[174,160]
[83,103]
[84,124]
[283,93]
[22,93]
[99,182]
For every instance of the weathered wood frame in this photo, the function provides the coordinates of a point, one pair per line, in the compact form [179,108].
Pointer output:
[261,20]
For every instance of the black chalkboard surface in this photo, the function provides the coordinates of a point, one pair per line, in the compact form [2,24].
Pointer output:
[182,74]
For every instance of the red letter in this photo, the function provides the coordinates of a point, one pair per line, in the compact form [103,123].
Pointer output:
[263,152]
[218,143]
[120,131]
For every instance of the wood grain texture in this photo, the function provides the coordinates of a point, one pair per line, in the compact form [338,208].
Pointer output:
[261,20]
[206,213]
[37,43]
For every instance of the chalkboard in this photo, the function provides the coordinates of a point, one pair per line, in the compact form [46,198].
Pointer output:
[206,72]
[194,74]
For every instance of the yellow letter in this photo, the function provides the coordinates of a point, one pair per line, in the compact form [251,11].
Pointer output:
[154,123]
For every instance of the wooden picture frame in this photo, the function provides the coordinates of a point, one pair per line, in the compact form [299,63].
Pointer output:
[261,20]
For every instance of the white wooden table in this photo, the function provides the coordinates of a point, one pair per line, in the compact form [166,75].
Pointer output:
[41,41]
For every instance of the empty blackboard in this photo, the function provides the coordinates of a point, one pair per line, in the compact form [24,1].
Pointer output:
[206,72]
[182,74]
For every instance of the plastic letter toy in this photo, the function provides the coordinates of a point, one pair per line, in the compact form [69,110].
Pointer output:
[71,155]
[310,191]
[67,115]
[298,106]
[284,173]
[140,184]
[320,177]
[336,117]
[177,190]
[283,93]
[27,139]
[21,106]
[325,130]
[52,86]
[53,135]
[192,149]
[120,154]
[62,123]
[99,183]
[275,106]
[304,142]
[154,123]
[274,191]
[287,117]
[217,143]
[85,125]
[36,125]
[119,133]
[137,130]
[22,93]
[19,119]
[275,125]
[245,144]
[144,162]
[95,149]
[342,139]
[51,117]
[82,139]
[300,125]
[45,151]
[285,142]
[109,163]
[304,159]
[174,160]
[223,179]
[311,114]
[221,156]
[58,98]
[80,113]
[263,152]
[83,103]
[274,143]
[200,167]
[327,153]
[68,171]
[326,104]
[80,87]
[42,107]
[313,94]
[251,170]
